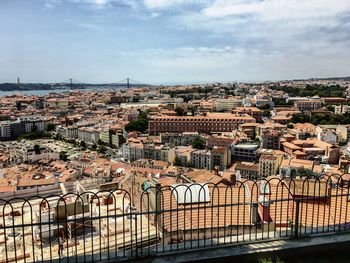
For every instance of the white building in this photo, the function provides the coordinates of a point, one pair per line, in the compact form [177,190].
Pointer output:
[341,109]
[228,104]
[29,153]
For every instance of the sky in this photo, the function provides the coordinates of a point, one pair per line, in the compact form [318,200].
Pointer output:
[173,41]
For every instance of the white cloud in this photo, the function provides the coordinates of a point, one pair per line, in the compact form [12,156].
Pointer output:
[159,4]
[90,26]
[278,9]
[100,2]
[208,64]
[51,4]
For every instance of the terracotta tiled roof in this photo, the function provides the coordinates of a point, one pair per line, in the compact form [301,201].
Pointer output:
[204,215]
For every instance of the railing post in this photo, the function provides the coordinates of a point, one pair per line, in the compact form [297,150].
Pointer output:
[296,220]
[136,252]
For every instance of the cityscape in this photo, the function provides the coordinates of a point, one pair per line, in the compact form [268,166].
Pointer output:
[231,144]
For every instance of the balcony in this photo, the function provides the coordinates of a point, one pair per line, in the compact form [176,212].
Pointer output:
[114,226]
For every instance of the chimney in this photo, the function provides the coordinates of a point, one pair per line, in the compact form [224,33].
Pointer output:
[233,179]
[265,208]
[266,212]
[216,170]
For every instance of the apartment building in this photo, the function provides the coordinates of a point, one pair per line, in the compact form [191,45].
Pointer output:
[245,151]
[312,149]
[334,100]
[341,109]
[178,139]
[56,103]
[308,105]
[294,168]
[207,123]
[89,135]
[269,162]
[5,129]
[134,151]
[201,159]
[220,157]
[251,111]
[29,153]
[271,139]
[228,104]
[69,132]
[32,123]
[246,170]
[343,132]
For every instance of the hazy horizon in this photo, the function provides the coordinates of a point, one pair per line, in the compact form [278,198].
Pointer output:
[173,41]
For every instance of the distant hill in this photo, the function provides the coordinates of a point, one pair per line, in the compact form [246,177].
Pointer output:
[52,86]
[13,86]
[330,78]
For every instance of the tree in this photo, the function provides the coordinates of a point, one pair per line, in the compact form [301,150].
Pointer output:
[301,118]
[102,149]
[330,108]
[100,142]
[198,143]
[83,144]
[290,125]
[37,149]
[140,124]
[34,136]
[50,127]
[266,113]
[177,161]
[304,172]
[265,107]
[193,110]
[179,111]
[63,156]
[94,146]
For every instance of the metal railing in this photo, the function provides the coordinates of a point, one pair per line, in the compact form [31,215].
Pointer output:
[113,225]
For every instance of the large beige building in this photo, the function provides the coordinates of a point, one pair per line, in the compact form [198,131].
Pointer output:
[207,123]
[228,104]
[269,163]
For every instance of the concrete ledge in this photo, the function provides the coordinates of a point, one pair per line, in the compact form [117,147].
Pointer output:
[235,250]
[217,252]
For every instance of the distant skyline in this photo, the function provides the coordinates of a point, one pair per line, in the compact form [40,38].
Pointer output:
[173,41]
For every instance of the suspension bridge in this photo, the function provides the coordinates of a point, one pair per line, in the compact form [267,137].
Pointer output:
[124,83]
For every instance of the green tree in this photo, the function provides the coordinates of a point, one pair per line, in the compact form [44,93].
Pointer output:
[265,107]
[198,143]
[300,118]
[94,146]
[180,111]
[83,144]
[266,113]
[102,149]
[304,172]
[330,108]
[50,127]
[100,142]
[140,124]
[177,161]
[63,156]
[34,136]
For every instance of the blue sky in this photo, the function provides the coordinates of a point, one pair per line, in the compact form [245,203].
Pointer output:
[173,41]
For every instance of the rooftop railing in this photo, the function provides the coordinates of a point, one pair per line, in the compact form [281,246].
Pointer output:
[114,225]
